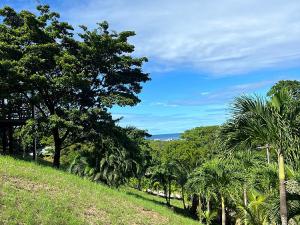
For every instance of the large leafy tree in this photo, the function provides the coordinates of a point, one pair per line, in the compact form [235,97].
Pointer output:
[71,81]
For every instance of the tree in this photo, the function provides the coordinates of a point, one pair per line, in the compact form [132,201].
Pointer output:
[289,85]
[268,122]
[286,95]
[215,178]
[164,173]
[68,79]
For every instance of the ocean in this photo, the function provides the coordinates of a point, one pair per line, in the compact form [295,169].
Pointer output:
[165,137]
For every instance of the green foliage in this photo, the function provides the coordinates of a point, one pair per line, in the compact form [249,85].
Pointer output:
[118,156]
[173,161]
[289,85]
[71,81]
[273,121]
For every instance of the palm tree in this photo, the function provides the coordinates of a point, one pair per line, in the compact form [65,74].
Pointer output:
[215,178]
[256,120]
[262,197]
[181,176]
[164,174]
[245,163]
[255,209]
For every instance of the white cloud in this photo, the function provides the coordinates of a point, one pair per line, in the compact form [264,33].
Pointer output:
[225,94]
[220,37]
[163,104]
[205,93]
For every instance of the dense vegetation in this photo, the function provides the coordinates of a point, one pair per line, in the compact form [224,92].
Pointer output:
[68,83]
[56,91]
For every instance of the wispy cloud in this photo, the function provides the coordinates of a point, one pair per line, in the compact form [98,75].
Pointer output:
[163,104]
[224,95]
[224,37]
[204,108]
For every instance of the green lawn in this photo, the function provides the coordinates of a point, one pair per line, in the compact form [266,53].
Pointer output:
[35,194]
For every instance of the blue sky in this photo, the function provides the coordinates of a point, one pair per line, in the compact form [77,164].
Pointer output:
[201,53]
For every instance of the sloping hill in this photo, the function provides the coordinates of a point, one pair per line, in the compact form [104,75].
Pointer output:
[33,194]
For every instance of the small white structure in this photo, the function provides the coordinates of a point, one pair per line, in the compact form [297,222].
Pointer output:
[46,151]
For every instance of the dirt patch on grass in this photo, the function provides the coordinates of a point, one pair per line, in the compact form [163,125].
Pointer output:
[94,216]
[154,217]
[140,214]
[147,216]
[28,185]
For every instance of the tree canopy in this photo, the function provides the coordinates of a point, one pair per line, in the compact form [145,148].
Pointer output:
[70,81]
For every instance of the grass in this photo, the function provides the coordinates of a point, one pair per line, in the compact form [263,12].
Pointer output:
[36,194]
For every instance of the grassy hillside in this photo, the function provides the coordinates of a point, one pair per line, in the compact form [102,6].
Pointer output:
[34,194]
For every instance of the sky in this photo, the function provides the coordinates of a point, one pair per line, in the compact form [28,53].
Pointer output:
[202,53]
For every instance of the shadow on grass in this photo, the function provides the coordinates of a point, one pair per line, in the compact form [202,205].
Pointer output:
[40,161]
[175,209]
[28,158]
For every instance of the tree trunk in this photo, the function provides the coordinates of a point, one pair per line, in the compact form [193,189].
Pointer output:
[200,209]
[208,211]
[34,157]
[182,195]
[223,211]
[268,153]
[245,204]
[166,194]
[4,140]
[282,190]
[208,206]
[139,183]
[34,139]
[10,140]
[169,195]
[57,145]
[195,203]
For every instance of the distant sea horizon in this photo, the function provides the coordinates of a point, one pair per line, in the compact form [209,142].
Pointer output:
[165,137]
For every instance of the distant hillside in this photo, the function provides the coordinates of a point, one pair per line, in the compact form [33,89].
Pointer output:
[165,137]
[33,194]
